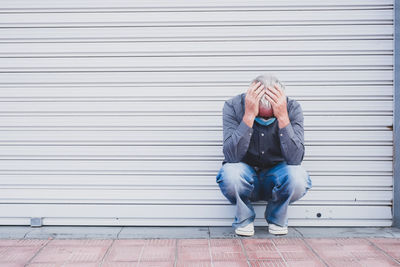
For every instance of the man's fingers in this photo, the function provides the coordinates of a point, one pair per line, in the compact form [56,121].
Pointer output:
[252,87]
[274,91]
[260,94]
[270,100]
[272,95]
[278,89]
[259,90]
[259,97]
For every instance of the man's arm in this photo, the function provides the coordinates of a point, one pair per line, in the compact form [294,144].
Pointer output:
[292,138]
[236,135]
[291,132]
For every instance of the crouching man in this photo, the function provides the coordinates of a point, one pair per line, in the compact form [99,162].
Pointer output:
[263,147]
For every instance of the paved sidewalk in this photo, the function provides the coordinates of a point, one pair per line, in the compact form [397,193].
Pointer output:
[189,246]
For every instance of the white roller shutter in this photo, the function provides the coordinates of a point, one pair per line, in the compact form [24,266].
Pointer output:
[111,111]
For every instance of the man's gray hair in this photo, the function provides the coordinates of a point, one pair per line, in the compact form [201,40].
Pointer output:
[268,79]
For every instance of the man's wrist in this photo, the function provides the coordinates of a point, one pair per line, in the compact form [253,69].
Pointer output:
[283,121]
[249,119]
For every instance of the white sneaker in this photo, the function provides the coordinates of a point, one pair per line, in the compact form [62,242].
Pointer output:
[276,229]
[247,230]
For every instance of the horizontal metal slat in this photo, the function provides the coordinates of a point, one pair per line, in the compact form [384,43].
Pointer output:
[185,92]
[73,5]
[201,33]
[349,181]
[218,63]
[148,152]
[356,77]
[182,120]
[151,106]
[247,17]
[183,137]
[179,212]
[170,196]
[337,47]
[127,166]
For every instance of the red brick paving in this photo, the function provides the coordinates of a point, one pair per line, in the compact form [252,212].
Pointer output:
[238,252]
[351,252]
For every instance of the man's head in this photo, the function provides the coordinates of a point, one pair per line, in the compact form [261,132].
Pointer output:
[265,108]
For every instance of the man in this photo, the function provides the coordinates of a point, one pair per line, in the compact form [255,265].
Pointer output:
[263,148]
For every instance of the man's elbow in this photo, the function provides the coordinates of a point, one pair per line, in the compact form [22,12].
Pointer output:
[296,158]
[230,156]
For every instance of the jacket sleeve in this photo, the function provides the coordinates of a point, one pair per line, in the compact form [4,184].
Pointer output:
[236,134]
[292,137]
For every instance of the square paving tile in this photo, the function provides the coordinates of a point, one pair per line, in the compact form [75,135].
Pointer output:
[158,253]
[263,255]
[389,245]
[19,251]
[156,264]
[61,264]
[161,242]
[193,264]
[228,256]
[230,264]
[17,255]
[201,253]
[119,264]
[258,245]
[124,253]
[130,242]
[305,263]
[225,242]
[75,251]
[23,242]
[192,242]
[260,249]
[349,252]
[268,263]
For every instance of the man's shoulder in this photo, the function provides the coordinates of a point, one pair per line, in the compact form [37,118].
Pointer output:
[293,104]
[236,100]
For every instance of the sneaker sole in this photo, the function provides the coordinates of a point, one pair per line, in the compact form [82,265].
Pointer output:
[244,233]
[278,232]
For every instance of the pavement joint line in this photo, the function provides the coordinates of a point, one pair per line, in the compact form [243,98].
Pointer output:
[27,233]
[176,252]
[105,254]
[117,237]
[141,253]
[313,251]
[382,251]
[298,231]
[244,251]
[279,252]
[37,252]
[209,251]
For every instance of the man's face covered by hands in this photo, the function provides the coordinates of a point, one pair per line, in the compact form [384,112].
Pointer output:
[265,107]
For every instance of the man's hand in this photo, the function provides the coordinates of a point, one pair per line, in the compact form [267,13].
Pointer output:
[252,102]
[277,98]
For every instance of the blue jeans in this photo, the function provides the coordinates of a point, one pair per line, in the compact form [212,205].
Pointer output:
[280,185]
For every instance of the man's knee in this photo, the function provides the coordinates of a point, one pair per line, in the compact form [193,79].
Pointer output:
[298,181]
[235,178]
[235,173]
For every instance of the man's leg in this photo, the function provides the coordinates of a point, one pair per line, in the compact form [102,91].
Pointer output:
[239,184]
[282,185]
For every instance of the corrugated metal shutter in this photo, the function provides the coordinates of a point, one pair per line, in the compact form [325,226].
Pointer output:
[111,110]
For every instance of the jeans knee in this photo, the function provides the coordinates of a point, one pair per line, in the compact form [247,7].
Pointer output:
[298,182]
[235,178]
[235,173]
